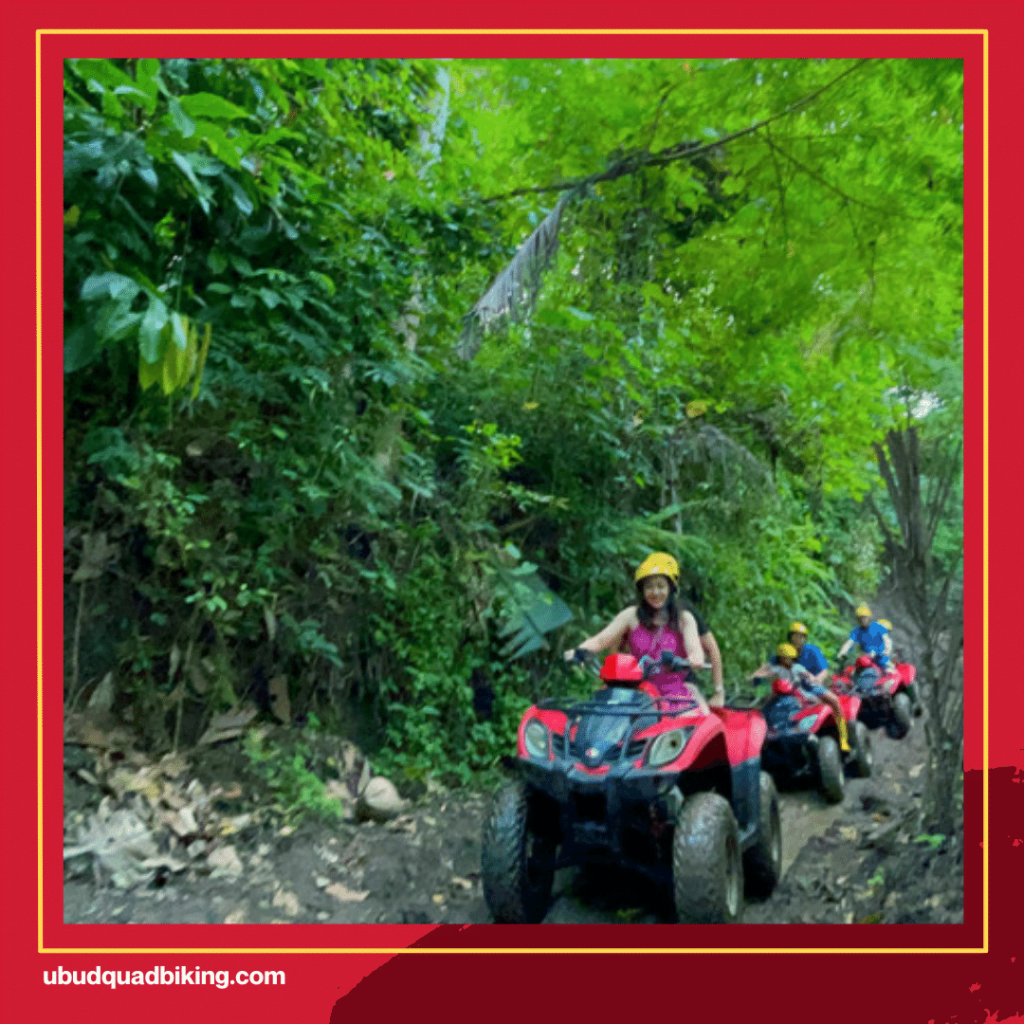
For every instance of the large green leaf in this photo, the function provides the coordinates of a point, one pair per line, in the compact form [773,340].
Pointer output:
[209,105]
[151,328]
[532,611]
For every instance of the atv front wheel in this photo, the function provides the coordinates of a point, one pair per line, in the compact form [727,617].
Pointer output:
[830,769]
[763,861]
[707,867]
[517,865]
[862,759]
[902,717]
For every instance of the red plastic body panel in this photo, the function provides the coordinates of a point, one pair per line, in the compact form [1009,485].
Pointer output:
[738,735]
[850,705]
[554,720]
[706,745]
[744,733]
[822,714]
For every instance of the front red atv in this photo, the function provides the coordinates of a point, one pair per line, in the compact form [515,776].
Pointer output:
[642,782]
[887,696]
[803,740]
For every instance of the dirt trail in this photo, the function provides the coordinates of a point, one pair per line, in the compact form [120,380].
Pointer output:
[425,866]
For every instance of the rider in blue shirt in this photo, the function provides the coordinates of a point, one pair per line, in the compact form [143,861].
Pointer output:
[808,655]
[872,637]
[786,665]
[808,668]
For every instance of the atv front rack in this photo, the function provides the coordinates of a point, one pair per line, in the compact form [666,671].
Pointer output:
[592,707]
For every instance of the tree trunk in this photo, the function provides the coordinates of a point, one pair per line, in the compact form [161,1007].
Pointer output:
[934,606]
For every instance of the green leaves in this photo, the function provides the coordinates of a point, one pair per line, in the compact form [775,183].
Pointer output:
[117,286]
[711,352]
[173,356]
[151,332]
[209,105]
[185,125]
[187,164]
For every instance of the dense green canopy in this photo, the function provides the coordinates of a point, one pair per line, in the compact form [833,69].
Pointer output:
[366,359]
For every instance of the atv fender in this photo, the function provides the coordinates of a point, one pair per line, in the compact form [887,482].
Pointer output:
[825,720]
[744,733]
[850,705]
[744,737]
[707,748]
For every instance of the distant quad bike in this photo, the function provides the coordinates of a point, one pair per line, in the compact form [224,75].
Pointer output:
[887,696]
[643,782]
[803,741]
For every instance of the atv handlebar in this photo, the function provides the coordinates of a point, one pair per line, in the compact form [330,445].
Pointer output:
[676,664]
[580,656]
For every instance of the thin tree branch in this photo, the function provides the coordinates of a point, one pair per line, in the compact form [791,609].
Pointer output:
[810,172]
[781,187]
[680,151]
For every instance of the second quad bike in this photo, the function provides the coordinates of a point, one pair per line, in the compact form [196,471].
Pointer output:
[887,696]
[803,739]
[638,780]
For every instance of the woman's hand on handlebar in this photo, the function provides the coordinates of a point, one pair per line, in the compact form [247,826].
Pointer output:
[676,664]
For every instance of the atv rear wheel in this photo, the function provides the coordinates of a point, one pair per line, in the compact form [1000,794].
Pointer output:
[862,758]
[902,716]
[707,867]
[763,861]
[517,865]
[830,769]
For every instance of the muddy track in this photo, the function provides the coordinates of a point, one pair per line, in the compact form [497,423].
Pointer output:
[425,866]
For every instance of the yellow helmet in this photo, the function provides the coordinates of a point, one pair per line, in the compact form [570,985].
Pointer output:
[785,651]
[658,564]
[886,623]
[797,627]
[861,611]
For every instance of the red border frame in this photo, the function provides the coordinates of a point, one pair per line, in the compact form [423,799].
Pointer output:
[551,975]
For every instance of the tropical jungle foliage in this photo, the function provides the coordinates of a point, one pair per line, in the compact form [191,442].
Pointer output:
[378,371]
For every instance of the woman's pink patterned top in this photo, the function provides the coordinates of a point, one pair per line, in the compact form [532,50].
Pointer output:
[652,642]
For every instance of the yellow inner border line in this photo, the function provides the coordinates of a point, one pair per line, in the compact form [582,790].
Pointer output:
[42,948]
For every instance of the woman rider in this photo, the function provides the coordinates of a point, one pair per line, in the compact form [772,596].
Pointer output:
[657,623]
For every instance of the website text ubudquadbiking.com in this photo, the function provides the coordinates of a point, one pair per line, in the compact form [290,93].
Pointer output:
[161,976]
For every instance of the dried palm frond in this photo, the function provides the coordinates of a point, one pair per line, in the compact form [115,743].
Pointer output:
[513,292]
[711,445]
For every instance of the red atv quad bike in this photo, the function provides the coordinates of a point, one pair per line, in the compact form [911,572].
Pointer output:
[803,740]
[639,781]
[887,696]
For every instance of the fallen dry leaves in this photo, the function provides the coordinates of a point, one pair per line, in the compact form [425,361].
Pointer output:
[346,895]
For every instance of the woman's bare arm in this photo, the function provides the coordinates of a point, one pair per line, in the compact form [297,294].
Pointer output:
[611,636]
[710,645]
[691,639]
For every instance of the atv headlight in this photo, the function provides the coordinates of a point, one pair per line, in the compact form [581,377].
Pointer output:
[668,746]
[806,724]
[535,736]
